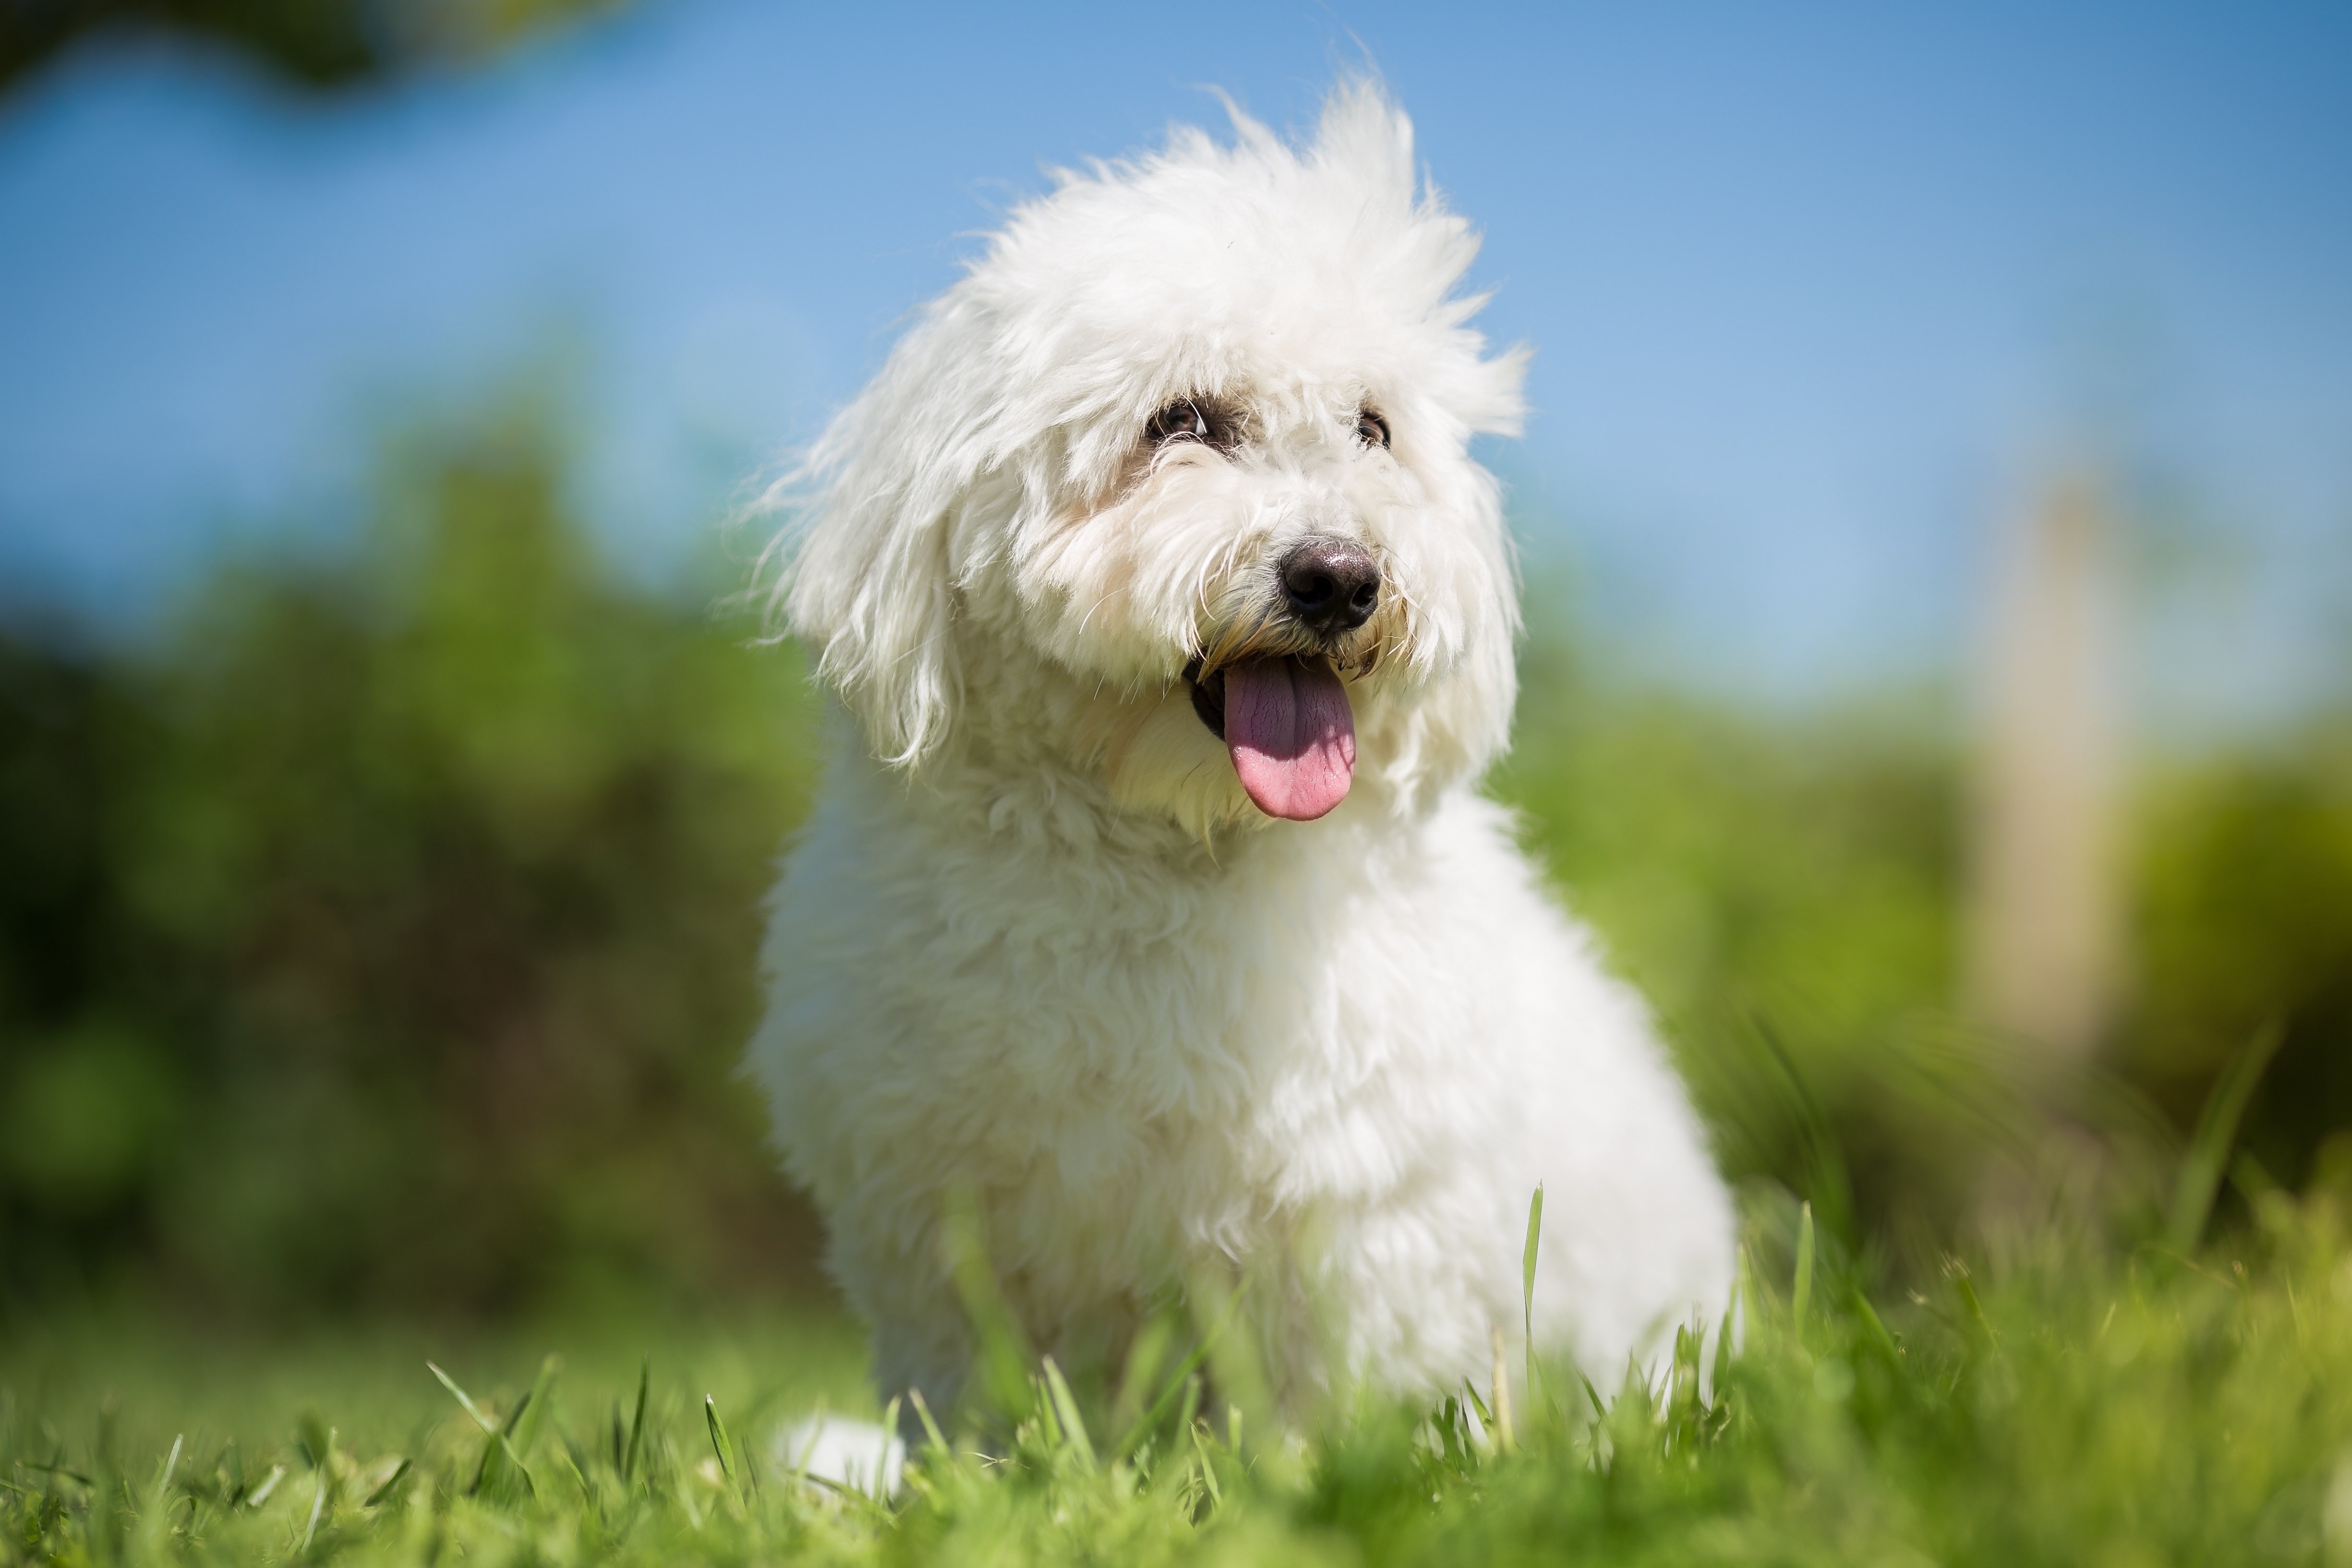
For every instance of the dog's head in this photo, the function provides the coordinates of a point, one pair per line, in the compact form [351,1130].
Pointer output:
[1174,489]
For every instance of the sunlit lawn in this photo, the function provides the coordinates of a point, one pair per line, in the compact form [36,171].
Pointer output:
[2083,1398]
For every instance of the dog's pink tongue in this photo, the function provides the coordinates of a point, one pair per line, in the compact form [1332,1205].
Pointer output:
[1292,734]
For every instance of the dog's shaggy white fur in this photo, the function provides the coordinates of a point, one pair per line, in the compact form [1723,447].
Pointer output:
[1070,565]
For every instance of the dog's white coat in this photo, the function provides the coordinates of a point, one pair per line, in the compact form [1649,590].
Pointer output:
[1037,944]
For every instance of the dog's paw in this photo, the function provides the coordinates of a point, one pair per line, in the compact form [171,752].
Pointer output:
[833,1452]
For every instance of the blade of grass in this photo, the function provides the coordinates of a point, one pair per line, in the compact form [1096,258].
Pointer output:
[718,1430]
[1831,1186]
[1528,1283]
[1004,1353]
[2217,1132]
[637,1422]
[882,1460]
[1876,1326]
[391,1482]
[523,1426]
[54,1469]
[1726,1334]
[465,1400]
[498,1453]
[318,1507]
[1965,1287]
[930,1428]
[1144,1356]
[1501,1422]
[1184,1378]
[1236,1363]
[1066,1410]
[155,1523]
[171,1464]
[1208,1467]
[1194,1388]
[1801,1295]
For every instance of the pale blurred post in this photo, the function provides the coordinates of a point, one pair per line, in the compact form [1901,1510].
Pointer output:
[2042,935]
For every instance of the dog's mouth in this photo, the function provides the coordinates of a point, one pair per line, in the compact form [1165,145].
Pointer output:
[1288,727]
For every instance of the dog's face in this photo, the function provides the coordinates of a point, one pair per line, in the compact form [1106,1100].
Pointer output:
[1174,489]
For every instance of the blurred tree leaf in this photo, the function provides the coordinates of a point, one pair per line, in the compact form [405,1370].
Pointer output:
[318,43]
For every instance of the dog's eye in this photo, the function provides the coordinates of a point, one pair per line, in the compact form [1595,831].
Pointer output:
[1184,421]
[1371,429]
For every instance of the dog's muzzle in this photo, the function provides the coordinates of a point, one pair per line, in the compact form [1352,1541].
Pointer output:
[1329,588]
[1274,693]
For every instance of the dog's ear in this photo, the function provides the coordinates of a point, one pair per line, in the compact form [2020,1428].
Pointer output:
[864,577]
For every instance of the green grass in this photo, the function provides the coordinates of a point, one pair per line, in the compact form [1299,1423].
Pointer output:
[2076,1397]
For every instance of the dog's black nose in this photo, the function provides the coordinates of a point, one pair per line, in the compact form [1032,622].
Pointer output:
[1331,585]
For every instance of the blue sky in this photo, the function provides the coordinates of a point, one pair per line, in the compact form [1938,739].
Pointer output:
[1815,289]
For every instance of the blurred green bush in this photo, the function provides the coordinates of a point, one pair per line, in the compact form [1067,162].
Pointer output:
[1787,889]
[383,932]
[1784,891]
[2243,871]
[386,930]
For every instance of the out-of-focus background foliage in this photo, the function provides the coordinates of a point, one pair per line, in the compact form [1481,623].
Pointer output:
[383,934]
[378,902]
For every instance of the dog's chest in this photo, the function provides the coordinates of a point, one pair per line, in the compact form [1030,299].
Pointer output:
[1100,1028]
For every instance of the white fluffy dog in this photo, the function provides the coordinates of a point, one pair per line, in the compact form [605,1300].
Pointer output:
[1150,900]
